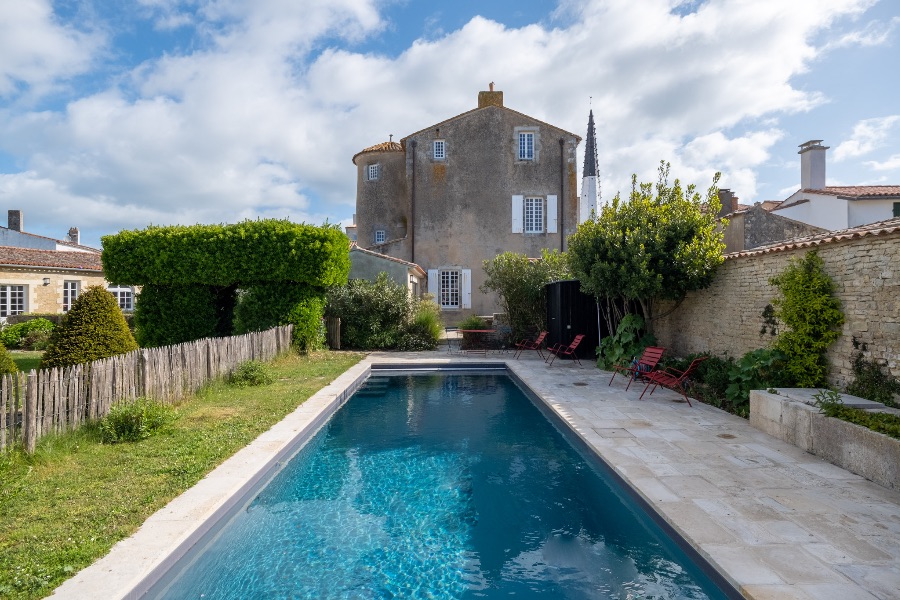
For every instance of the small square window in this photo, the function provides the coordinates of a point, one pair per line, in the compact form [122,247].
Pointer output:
[526,146]
[124,297]
[372,172]
[440,150]
[380,236]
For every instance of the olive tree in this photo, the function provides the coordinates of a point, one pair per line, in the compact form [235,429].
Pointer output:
[659,244]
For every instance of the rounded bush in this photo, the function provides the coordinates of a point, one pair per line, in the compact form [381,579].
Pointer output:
[26,333]
[94,328]
[132,422]
[7,364]
[252,373]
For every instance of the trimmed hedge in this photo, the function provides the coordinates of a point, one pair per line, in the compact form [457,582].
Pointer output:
[268,250]
[262,307]
[94,328]
[172,314]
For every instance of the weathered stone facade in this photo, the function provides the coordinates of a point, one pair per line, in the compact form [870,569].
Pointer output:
[457,210]
[727,316]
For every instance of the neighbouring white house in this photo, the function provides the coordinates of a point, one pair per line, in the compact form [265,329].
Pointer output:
[835,207]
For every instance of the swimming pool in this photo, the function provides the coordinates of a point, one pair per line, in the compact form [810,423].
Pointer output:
[439,486]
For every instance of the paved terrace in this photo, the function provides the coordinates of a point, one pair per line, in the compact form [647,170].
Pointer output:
[777,522]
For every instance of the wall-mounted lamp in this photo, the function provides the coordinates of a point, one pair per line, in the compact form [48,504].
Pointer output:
[46,281]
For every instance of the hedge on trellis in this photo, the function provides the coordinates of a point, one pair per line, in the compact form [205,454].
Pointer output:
[249,256]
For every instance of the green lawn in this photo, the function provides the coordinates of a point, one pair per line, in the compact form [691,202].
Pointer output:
[66,505]
[26,360]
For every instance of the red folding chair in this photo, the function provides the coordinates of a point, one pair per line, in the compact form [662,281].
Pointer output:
[646,363]
[561,350]
[673,378]
[531,345]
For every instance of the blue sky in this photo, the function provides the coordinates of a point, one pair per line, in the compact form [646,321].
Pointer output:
[117,115]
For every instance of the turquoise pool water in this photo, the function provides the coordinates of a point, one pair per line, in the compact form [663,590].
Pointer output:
[440,486]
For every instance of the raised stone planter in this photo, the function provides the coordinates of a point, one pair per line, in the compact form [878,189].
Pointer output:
[790,416]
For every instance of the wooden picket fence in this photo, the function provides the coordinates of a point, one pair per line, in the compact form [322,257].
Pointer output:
[56,400]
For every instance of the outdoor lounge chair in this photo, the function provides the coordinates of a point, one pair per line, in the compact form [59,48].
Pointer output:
[643,365]
[531,345]
[673,378]
[560,350]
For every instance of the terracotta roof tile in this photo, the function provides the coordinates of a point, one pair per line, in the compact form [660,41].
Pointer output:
[382,147]
[29,257]
[857,191]
[889,227]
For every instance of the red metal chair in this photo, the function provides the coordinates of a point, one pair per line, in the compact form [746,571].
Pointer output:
[646,363]
[561,350]
[673,378]
[531,345]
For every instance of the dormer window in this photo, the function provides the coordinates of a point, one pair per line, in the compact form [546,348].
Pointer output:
[440,150]
[372,172]
[526,145]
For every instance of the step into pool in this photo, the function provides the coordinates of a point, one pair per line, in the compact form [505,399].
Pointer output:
[439,486]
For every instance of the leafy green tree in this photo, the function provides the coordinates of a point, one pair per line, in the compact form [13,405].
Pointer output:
[812,318]
[94,328]
[520,281]
[658,245]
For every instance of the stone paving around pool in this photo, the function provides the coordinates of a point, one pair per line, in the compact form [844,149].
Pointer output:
[775,521]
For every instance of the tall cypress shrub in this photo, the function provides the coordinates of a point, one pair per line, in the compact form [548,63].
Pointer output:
[94,328]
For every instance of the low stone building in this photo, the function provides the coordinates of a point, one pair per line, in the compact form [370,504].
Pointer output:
[367,264]
[459,192]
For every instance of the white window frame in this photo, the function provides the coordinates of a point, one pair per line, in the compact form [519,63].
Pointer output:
[449,292]
[373,172]
[124,296]
[439,150]
[71,291]
[12,300]
[380,236]
[526,145]
[533,215]
[441,284]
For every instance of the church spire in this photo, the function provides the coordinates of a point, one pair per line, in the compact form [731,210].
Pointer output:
[590,182]
[590,149]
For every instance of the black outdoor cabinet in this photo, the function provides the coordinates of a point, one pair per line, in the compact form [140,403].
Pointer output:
[570,312]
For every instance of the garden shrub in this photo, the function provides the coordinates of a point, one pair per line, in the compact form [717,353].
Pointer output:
[811,316]
[628,342]
[423,332]
[378,314]
[94,328]
[757,369]
[135,421]
[171,314]
[872,382]
[7,364]
[262,307]
[26,334]
[251,373]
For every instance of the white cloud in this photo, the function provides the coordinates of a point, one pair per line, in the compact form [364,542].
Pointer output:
[891,164]
[875,33]
[867,136]
[264,119]
[36,51]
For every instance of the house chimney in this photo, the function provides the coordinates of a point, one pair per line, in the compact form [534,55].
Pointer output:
[74,235]
[490,98]
[15,220]
[812,165]
[728,201]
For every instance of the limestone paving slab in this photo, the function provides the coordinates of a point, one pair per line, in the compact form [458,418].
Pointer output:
[775,521]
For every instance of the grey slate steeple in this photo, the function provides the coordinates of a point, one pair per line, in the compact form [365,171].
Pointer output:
[589,202]
[590,149]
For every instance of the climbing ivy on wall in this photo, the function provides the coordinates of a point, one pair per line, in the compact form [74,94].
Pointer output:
[811,315]
[196,278]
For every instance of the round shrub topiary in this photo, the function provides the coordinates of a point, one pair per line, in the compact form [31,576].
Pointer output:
[7,365]
[94,328]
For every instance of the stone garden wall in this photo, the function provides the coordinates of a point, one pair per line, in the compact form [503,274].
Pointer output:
[727,316]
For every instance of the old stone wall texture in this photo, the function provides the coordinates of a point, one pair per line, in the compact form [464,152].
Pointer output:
[726,318]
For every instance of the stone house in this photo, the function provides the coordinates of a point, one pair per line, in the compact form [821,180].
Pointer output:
[462,191]
[42,275]
[835,207]
[367,264]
